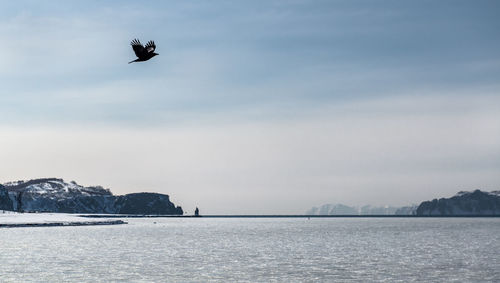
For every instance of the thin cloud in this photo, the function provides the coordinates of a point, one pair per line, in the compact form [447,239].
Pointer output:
[396,158]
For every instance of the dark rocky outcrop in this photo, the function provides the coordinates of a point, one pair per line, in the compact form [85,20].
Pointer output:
[5,201]
[463,204]
[55,195]
[146,203]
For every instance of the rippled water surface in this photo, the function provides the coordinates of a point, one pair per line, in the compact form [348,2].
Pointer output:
[256,250]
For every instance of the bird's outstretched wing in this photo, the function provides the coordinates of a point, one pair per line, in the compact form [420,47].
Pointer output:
[138,48]
[150,46]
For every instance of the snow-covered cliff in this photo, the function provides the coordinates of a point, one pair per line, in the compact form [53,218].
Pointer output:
[56,195]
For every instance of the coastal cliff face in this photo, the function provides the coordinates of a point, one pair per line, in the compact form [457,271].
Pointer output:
[5,201]
[463,203]
[146,203]
[55,195]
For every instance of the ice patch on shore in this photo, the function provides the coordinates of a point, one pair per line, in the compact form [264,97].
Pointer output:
[42,219]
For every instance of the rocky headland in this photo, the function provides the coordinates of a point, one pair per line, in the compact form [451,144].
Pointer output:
[56,195]
[475,203]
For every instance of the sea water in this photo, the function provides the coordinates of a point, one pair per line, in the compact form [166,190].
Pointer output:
[256,250]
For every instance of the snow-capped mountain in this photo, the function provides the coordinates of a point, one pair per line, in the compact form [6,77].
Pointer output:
[56,195]
[55,188]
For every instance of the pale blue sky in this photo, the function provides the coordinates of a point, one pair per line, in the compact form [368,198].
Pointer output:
[324,92]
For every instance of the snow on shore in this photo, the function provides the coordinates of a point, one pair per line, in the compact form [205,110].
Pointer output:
[13,219]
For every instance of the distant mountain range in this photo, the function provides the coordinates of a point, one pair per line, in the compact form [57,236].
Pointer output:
[462,204]
[56,195]
[341,209]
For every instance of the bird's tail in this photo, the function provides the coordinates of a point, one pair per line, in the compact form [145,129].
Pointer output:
[133,61]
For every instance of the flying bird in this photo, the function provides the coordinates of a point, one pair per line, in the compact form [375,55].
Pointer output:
[144,53]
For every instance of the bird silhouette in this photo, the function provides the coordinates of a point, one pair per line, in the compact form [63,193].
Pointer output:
[144,53]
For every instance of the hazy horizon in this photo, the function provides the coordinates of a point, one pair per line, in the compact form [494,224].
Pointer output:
[262,107]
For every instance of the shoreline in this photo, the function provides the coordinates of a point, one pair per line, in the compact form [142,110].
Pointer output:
[282,216]
[20,220]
